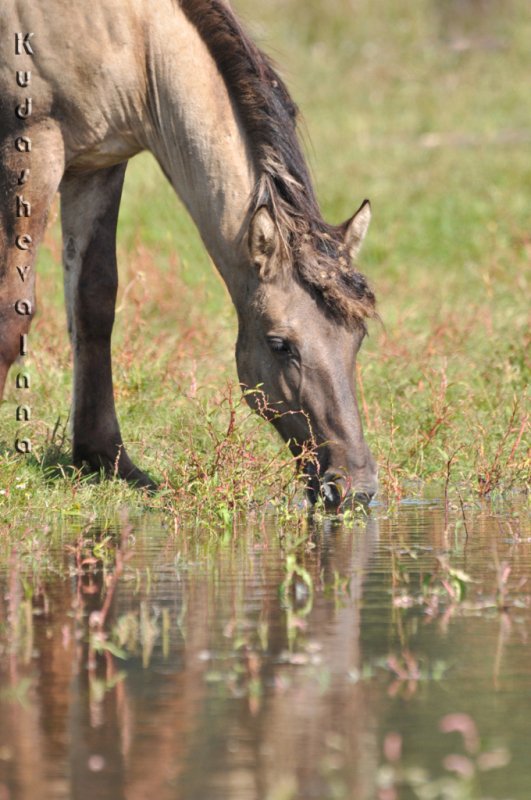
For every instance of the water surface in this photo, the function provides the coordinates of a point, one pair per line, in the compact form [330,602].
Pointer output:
[378,660]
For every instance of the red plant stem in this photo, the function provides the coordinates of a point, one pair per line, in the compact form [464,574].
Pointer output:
[518,438]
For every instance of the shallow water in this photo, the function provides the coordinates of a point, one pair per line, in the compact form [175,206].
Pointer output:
[379,660]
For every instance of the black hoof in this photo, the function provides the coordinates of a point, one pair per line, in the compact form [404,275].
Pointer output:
[118,467]
[140,480]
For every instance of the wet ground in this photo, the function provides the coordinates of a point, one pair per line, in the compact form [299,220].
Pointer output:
[379,659]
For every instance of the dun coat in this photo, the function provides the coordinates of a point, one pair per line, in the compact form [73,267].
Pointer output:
[182,79]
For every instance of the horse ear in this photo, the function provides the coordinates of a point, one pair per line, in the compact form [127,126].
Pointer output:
[264,243]
[355,228]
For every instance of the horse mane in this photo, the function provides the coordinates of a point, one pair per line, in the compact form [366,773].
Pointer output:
[269,117]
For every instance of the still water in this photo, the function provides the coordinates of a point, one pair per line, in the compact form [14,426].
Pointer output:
[384,659]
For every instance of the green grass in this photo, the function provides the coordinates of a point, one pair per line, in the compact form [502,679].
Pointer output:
[423,108]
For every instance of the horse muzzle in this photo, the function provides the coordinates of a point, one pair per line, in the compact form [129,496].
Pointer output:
[338,491]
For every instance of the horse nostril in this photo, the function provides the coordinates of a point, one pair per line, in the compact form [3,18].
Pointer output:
[337,493]
[336,490]
[364,498]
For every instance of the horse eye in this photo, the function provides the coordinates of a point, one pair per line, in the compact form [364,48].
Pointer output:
[278,345]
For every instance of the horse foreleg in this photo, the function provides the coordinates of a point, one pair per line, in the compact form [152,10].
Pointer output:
[89,212]
[28,182]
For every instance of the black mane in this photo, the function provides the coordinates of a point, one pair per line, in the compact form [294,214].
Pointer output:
[269,116]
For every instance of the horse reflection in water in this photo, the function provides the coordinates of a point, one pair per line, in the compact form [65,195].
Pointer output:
[219,696]
[184,81]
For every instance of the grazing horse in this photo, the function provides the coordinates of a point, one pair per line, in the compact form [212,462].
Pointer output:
[85,87]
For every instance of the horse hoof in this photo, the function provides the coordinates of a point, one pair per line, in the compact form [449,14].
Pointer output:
[139,480]
[118,467]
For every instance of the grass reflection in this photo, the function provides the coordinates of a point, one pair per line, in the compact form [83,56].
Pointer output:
[266,660]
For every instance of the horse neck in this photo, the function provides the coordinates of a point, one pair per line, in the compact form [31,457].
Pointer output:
[193,131]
